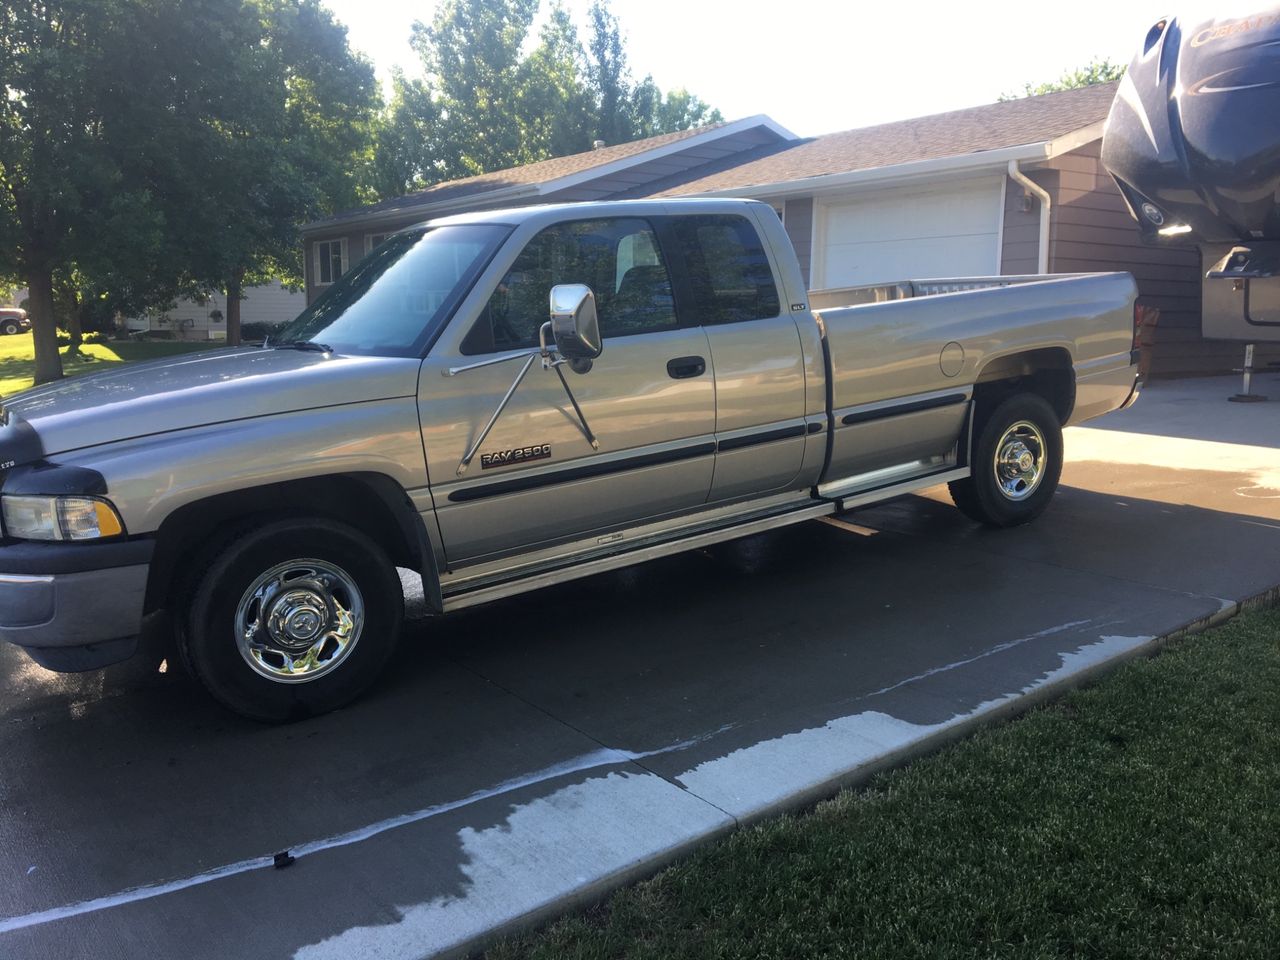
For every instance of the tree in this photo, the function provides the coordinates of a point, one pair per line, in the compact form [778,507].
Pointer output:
[553,99]
[471,54]
[486,104]
[1095,71]
[155,148]
[291,145]
[405,140]
[63,183]
[610,77]
[630,111]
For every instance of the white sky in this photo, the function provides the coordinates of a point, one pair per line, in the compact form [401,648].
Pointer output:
[819,66]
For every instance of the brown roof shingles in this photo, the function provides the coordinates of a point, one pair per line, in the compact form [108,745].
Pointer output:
[989,127]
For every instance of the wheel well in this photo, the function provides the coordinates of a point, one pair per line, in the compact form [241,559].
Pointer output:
[372,503]
[1047,373]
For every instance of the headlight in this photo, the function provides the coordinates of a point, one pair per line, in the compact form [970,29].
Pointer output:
[59,518]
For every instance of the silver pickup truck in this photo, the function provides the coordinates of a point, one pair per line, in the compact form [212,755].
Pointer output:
[510,399]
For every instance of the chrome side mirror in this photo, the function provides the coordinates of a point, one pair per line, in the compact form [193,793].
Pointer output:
[574,323]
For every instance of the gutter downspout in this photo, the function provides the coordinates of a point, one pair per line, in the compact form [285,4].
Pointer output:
[1046,206]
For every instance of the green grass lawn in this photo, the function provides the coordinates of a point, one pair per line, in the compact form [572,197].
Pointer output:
[17,357]
[1138,818]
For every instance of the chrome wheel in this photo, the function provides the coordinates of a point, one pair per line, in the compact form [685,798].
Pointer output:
[299,621]
[1020,460]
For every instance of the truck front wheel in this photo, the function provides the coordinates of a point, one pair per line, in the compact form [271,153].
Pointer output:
[1016,463]
[293,618]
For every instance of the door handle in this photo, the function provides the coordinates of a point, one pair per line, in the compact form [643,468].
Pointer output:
[682,368]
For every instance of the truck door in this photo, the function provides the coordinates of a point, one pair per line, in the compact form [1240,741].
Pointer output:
[729,286]
[649,399]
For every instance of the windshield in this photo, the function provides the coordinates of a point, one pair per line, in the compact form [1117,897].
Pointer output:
[393,301]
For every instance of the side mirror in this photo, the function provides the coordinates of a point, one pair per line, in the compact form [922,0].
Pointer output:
[574,323]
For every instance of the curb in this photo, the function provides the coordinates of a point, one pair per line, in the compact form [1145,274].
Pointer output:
[597,890]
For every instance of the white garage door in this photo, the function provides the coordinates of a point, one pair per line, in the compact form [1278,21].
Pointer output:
[912,233]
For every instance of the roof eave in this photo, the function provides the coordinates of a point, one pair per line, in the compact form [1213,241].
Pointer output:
[1038,151]
[424,211]
[470,201]
[916,169]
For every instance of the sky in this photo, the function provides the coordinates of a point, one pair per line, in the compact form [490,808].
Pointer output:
[816,67]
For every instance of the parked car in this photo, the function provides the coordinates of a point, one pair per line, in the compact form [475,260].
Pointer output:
[512,399]
[13,321]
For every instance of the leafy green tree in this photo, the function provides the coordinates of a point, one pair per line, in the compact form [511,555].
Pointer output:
[1095,71]
[155,148]
[489,101]
[292,144]
[471,53]
[65,182]
[610,76]
[554,101]
[626,110]
[405,141]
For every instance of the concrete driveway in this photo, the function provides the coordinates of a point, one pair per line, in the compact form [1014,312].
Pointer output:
[524,757]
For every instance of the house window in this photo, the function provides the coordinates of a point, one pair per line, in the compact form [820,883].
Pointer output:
[331,261]
[731,278]
[374,240]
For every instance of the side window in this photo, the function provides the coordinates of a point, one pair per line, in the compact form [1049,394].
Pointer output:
[729,272]
[618,259]
[331,261]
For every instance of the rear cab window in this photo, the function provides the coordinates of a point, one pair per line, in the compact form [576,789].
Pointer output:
[730,278]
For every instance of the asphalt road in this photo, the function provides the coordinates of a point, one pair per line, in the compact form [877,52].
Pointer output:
[522,757]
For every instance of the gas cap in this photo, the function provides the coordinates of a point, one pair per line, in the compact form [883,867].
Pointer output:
[951,360]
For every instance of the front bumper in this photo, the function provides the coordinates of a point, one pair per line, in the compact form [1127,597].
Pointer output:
[74,606]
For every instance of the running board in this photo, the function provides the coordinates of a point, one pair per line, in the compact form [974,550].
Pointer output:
[889,490]
[615,561]
[704,538]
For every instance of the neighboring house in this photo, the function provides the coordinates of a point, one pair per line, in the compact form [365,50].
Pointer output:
[272,304]
[16,298]
[944,195]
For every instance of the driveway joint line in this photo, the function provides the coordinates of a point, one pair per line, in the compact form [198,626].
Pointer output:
[633,760]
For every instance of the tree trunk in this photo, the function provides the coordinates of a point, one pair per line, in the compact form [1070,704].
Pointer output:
[233,307]
[44,328]
[75,325]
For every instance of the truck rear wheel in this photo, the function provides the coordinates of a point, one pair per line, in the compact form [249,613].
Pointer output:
[292,619]
[1016,463]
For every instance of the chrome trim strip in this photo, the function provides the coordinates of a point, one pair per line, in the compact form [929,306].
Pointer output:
[17,579]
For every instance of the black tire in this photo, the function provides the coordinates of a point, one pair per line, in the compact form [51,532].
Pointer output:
[208,637]
[980,496]
[10,328]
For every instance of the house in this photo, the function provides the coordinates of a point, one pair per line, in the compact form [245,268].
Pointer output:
[1006,188]
[271,304]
